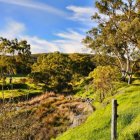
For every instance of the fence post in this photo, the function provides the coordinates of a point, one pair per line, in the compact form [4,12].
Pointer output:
[114,120]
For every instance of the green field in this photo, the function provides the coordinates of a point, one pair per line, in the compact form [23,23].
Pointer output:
[21,86]
[97,126]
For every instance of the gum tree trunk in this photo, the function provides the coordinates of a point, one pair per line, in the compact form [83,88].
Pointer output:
[129,79]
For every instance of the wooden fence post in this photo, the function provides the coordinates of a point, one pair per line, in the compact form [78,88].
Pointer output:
[114,120]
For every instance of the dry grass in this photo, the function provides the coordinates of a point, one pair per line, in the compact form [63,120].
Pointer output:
[41,118]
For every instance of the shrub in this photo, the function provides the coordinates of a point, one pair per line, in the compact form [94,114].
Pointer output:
[23,80]
[103,80]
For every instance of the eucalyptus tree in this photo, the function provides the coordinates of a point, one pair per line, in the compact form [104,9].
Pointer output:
[4,45]
[14,55]
[11,61]
[104,81]
[82,65]
[23,56]
[117,33]
[54,70]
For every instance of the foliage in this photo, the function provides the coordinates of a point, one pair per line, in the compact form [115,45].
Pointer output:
[104,60]
[53,69]
[15,56]
[103,80]
[82,65]
[60,72]
[117,34]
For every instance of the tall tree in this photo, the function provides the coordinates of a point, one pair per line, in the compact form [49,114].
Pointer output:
[82,65]
[14,56]
[117,33]
[4,45]
[23,57]
[103,80]
[53,69]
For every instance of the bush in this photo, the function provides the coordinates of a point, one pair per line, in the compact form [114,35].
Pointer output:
[23,80]
[103,80]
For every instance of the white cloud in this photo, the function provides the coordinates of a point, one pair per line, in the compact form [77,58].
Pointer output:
[82,13]
[39,45]
[12,29]
[69,42]
[35,5]
[70,35]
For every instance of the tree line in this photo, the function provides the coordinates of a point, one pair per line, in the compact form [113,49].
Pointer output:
[15,58]
[59,72]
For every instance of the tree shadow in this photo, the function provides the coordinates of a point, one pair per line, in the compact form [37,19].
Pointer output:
[134,79]
[136,84]
[137,136]
[20,98]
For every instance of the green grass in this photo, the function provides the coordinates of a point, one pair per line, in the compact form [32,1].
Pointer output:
[20,88]
[97,126]
[18,92]
[84,88]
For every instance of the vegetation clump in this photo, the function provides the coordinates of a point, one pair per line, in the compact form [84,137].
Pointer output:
[42,117]
[104,78]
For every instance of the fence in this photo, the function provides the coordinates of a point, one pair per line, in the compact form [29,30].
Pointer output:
[125,124]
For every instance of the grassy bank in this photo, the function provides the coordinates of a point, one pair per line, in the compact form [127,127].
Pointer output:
[97,126]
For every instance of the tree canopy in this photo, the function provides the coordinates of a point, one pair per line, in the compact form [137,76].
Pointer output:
[53,70]
[103,80]
[14,56]
[117,33]
[60,71]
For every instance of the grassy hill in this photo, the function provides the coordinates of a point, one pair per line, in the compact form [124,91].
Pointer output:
[97,126]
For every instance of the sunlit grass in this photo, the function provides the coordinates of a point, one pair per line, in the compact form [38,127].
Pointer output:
[21,87]
[17,92]
[97,126]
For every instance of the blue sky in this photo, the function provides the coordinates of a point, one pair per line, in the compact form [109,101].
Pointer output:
[48,25]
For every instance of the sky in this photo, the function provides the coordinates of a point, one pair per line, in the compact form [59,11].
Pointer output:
[48,25]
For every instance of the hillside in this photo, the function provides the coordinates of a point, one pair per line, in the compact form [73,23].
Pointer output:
[42,117]
[97,126]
